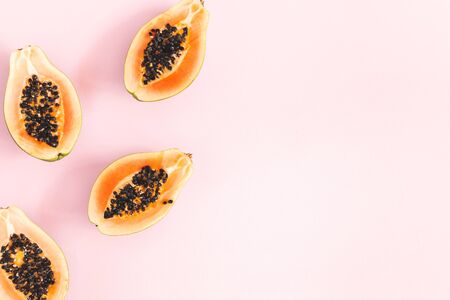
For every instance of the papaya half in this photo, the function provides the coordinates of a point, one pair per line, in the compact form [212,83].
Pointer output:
[167,53]
[41,107]
[33,267]
[138,190]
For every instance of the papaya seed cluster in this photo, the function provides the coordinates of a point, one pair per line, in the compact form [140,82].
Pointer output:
[164,48]
[32,274]
[134,197]
[39,103]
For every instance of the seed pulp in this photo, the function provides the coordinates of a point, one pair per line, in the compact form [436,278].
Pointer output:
[39,104]
[161,52]
[134,197]
[33,275]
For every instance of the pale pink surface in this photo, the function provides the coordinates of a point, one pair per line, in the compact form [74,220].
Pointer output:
[320,133]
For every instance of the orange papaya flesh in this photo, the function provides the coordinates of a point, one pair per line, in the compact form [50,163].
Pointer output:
[138,190]
[41,107]
[167,53]
[32,266]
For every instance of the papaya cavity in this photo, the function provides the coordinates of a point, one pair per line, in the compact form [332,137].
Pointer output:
[136,196]
[41,111]
[161,53]
[28,269]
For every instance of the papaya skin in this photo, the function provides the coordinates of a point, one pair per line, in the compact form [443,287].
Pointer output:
[23,63]
[177,164]
[14,220]
[190,13]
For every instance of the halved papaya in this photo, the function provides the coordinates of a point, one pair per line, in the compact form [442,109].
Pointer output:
[138,190]
[33,267]
[42,110]
[167,53]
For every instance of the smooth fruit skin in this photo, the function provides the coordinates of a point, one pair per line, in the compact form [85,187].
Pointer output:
[24,63]
[14,220]
[177,164]
[190,13]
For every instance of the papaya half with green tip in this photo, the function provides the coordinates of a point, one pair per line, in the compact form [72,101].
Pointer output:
[138,190]
[32,266]
[167,53]
[41,107]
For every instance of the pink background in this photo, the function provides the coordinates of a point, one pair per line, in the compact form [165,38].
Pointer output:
[320,133]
